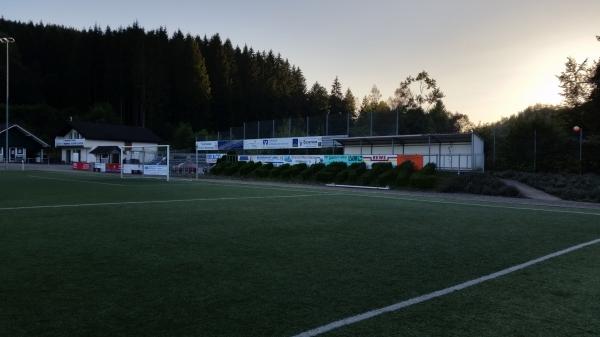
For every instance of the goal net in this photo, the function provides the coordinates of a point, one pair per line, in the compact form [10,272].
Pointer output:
[145,161]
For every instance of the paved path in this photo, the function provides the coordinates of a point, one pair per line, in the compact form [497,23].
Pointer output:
[530,192]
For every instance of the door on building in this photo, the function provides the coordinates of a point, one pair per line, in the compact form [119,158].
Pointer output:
[75,156]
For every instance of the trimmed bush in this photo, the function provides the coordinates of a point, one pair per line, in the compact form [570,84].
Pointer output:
[276,172]
[310,172]
[232,168]
[248,167]
[422,181]
[263,171]
[478,184]
[405,170]
[386,178]
[429,169]
[328,174]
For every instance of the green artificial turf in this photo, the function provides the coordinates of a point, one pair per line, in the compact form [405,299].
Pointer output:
[232,260]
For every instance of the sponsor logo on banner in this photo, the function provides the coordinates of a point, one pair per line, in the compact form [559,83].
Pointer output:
[343,158]
[212,158]
[69,142]
[308,142]
[380,158]
[283,143]
[207,145]
[156,170]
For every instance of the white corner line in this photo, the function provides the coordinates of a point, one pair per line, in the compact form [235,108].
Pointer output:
[439,293]
[124,203]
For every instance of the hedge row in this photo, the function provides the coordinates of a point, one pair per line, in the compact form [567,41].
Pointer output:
[381,174]
[565,186]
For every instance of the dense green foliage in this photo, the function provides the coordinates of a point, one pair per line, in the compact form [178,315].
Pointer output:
[147,78]
[182,86]
[542,138]
[486,184]
[565,186]
[381,175]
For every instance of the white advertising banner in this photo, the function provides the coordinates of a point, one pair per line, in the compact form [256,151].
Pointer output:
[283,143]
[207,145]
[212,158]
[371,159]
[156,170]
[131,168]
[284,159]
[69,142]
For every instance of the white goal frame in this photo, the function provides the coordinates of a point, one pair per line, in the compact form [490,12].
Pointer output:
[143,164]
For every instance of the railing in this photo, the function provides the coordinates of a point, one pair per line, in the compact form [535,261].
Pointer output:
[455,162]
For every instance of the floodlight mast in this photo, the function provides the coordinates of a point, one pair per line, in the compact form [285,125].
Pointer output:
[8,41]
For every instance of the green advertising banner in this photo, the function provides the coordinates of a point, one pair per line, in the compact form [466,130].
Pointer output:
[343,158]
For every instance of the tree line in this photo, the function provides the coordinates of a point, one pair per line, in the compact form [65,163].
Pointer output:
[543,138]
[179,84]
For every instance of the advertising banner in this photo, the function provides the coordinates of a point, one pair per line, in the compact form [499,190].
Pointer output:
[284,159]
[156,170]
[416,159]
[113,167]
[99,167]
[207,145]
[211,158]
[69,142]
[283,143]
[81,166]
[228,145]
[371,159]
[343,158]
[132,168]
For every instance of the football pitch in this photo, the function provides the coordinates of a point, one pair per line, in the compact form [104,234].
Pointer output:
[94,255]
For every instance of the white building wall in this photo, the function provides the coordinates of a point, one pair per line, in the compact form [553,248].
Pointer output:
[90,144]
[449,156]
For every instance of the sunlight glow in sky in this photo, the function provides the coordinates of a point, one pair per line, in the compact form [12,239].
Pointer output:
[491,58]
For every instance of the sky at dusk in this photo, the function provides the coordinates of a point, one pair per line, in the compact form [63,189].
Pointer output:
[490,58]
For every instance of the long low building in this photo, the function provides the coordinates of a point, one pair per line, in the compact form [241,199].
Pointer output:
[456,151]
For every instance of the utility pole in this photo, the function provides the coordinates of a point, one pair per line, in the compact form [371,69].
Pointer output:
[8,41]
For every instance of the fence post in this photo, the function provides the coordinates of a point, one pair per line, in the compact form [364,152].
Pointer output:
[307,125]
[348,124]
[273,129]
[290,127]
[534,150]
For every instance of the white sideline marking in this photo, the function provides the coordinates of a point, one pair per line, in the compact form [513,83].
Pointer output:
[16,208]
[76,180]
[477,204]
[423,298]
[359,186]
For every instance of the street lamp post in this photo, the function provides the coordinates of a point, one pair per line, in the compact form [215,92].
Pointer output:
[8,41]
[579,130]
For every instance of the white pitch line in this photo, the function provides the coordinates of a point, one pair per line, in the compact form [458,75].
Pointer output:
[76,180]
[16,208]
[439,293]
[475,204]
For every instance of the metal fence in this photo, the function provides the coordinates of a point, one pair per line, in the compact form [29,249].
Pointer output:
[335,124]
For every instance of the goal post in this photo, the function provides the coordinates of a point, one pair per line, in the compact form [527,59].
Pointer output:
[145,161]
